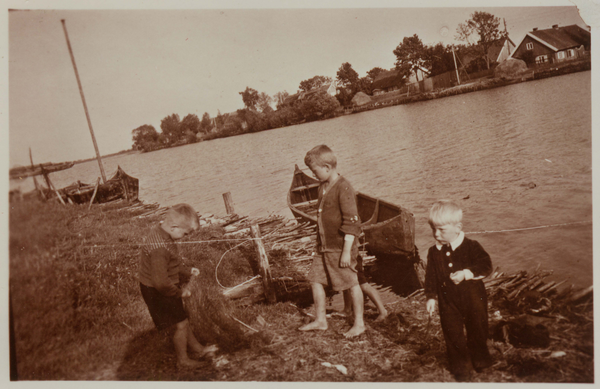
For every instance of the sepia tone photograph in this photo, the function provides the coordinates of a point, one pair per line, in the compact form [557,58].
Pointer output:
[276,191]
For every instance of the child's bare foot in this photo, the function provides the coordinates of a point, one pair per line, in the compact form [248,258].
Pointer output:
[205,352]
[188,364]
[354,331]
[315,325]
[382,315]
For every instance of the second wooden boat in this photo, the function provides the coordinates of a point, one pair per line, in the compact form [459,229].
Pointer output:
[389,229]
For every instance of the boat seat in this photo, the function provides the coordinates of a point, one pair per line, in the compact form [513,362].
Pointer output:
[374,217]
[309,186]
[305,203]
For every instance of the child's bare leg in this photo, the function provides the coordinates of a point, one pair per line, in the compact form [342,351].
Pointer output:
[358,307]
[180,340]
[347,303]
[376,298]
[197,348]
[320,322]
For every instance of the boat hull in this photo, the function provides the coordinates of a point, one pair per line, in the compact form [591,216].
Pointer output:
[389,229]
[120,186]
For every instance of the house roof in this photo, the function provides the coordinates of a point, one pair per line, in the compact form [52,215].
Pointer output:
[496,48]
[561,38]
[385,79]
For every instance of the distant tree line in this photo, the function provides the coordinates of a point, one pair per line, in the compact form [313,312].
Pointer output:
[309,103]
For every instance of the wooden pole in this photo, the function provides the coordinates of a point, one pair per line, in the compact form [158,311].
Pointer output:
[263,264]
[87,115]
[51,186]
[37,187]
[95,191]
[228,203]
[455,67]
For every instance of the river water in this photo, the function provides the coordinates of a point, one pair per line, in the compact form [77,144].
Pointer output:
[514,158]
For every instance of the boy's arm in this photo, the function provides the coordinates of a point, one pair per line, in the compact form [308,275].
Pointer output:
[481,263]
[430,277]
[159,259]
[349,210]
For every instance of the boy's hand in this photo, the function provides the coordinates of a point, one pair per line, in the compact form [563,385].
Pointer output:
[195,271]
[345,261]
[430,305]
[186,292]
[457,277]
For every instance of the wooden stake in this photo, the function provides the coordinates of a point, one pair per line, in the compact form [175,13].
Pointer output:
[263,264]
[228,203]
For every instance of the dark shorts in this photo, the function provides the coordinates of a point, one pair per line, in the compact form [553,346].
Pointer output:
[360,271]
[326,270]
[165,310]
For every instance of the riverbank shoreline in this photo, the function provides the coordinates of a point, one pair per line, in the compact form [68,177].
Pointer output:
[78,314]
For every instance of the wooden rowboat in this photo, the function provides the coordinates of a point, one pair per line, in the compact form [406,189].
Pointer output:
[389,229]
[119,186]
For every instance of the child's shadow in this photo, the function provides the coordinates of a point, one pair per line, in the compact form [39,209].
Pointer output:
[150,356]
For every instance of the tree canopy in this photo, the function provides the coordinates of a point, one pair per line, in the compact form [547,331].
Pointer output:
[250,97]
[315,82]
[411,55]
[480,32]
[347,82]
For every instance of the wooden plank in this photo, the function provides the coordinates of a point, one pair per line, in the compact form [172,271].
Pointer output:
[263,264]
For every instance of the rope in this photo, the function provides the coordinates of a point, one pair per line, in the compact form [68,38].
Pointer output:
[530,228]
[222,256]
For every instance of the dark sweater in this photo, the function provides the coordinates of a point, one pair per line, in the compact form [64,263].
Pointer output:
[469,255]
[337,215]
[160,265]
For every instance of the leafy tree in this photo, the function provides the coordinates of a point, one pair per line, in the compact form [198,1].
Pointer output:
[485,27]
[171,129]
[410,55]
[250,97]
[206,124]
[315,82]
[373,73]
[347,82]
[190,123]
[320,105]
[145,138]
[280,98]
[346,76]
[439,58]
[264,102]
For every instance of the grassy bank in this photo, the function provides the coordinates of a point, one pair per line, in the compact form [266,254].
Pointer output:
[78,315]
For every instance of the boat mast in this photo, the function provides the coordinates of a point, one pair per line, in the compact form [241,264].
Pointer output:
[87,115]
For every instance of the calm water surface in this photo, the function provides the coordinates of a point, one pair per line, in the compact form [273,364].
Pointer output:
[484,149]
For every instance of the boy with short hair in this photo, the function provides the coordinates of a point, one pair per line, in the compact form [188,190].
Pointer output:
[159,275]
[455,267]
[338,228]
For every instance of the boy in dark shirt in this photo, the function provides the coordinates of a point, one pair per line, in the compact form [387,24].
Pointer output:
[160,271]
[455,267]
[338,228]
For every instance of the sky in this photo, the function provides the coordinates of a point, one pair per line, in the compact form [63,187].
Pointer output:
[138,66]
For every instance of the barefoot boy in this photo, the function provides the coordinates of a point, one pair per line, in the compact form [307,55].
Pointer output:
[338,227]
[160,269]
[455,267]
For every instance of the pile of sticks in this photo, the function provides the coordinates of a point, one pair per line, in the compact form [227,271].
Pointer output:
[514,286]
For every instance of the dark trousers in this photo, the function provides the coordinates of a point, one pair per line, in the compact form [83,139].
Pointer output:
[464,306]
